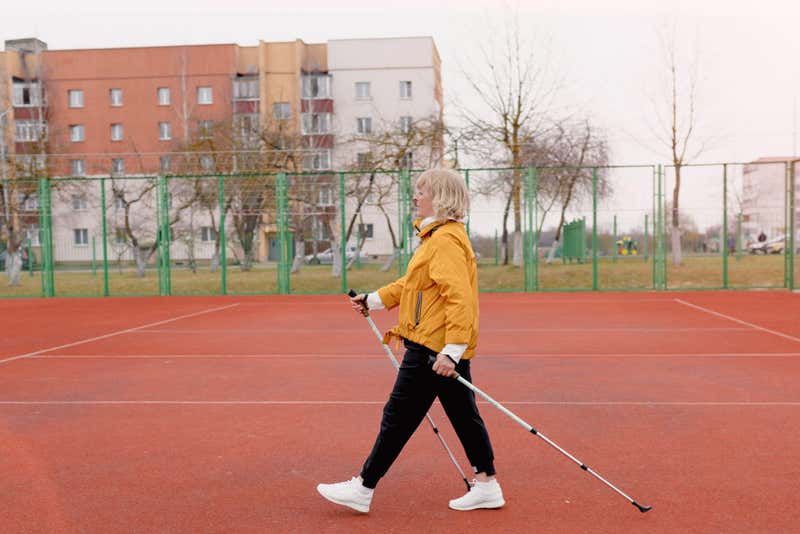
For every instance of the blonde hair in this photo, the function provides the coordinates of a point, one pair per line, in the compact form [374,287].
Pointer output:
[449,192]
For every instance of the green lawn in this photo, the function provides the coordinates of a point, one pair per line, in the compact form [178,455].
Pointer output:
[625,273]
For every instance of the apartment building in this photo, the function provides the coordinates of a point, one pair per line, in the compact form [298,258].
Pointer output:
[764,195]
[126,113]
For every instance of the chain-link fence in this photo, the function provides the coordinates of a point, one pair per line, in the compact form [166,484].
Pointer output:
[533,229]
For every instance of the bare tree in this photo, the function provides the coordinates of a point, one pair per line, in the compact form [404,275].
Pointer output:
[516,86]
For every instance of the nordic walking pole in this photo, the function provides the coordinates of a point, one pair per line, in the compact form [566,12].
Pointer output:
[391,356]
[550,442]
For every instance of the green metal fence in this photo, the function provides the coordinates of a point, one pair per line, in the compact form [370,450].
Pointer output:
[324,232]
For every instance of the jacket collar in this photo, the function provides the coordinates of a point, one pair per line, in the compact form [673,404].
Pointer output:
[428,228]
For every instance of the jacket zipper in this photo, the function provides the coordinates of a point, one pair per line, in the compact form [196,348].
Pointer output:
[418,311]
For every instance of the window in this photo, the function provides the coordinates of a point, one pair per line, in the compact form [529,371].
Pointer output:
[407,161]
[245,88]
[78,167]
[281,110]
[320,228]
[164,131]
[116,132]
[76,133]
[30,166]
[365,231]
[27,94]
[316,123]
[317,161]
[29,202]
[405,124]
[205,129]
[115,97]
[117,166]
[405,89]
[364,125]
[362,159]
[27,130]
[204,95]
[316,86]
[164,163]
[208,234]
[362,91]
[206,162]
[80,236]
[79,202]
[75,98]
[119,201]
[325,196]
[32,234]
[120,237]
[163,96]
[246,126]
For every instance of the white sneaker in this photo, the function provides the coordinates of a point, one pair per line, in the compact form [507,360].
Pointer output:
[351,493]
[481,495]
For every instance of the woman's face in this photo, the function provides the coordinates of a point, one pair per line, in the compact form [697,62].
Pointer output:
[423,201]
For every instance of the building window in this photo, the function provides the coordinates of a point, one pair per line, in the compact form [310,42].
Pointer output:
[164,163]
[30,130]
[316,123]
[115,97]
[27,94]
[78,167]
[117,166]
[246,126]
[75,98]
[245,89]
[317,161]
[281,110]
[206,162]
[364,125]
[79,202]
[116,132]
[80,236]
[76,133]
[29,202]
[316,86]
[405,124]
[405,90]
[208,234]
[205,129]
[362,160]
[204,95]
[164,131]
[365,231]
[30,166]
[325,196]
[120,237]
[362,91]
[163,96]
[407,161]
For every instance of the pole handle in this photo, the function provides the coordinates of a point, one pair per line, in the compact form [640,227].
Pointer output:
[352,294]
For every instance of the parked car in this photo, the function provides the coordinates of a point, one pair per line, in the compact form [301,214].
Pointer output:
[771,246]
[326,256]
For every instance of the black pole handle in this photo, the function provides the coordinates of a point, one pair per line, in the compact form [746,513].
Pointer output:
[352,294]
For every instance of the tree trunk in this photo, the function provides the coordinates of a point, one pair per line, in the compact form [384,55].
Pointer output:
[389,262]
[299,255]
[518,249]
[215,259]
[675,237]
[14,268]
[141,261]
[676,225]
[552,253]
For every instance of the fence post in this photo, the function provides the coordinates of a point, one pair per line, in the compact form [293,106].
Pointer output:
[466,179]
[105,234]
[404,226]
[792,229]
[595,284]
[658,223]
[30,257]
[646,244]
[222,244]
[46,218]
[725,248]
[94,255]
[283,250]
[343,226]
[164,238]
[535,228]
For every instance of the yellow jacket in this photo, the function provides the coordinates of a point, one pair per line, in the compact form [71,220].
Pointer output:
[438,295]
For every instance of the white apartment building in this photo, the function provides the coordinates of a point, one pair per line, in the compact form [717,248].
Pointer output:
[380,86]
[763,197]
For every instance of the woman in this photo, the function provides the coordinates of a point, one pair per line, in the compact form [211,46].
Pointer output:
[438,299]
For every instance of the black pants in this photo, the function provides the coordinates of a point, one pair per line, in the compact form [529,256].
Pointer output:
[413,394]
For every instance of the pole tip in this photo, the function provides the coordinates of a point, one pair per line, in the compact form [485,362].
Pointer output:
[641,508]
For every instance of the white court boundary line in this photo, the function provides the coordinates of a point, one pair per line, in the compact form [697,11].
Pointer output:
[734,319]
[371,355]
[262,331]
[112,334]
[381,403]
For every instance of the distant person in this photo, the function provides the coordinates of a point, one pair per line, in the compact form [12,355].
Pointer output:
[438,299]
[762,237]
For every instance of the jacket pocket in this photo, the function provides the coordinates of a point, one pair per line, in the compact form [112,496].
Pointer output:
[418,309]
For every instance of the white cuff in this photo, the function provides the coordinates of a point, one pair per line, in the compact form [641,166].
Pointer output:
[454,350]
[374,301]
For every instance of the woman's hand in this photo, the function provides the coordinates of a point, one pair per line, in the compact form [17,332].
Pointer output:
[359,304]
[444,366]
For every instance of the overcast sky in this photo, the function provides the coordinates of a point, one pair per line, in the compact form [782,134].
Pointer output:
[607,52]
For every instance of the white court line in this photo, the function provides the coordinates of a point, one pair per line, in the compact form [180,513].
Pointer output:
[371,355]
[380,403]
[259,331]
[734,319]
[126,331]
